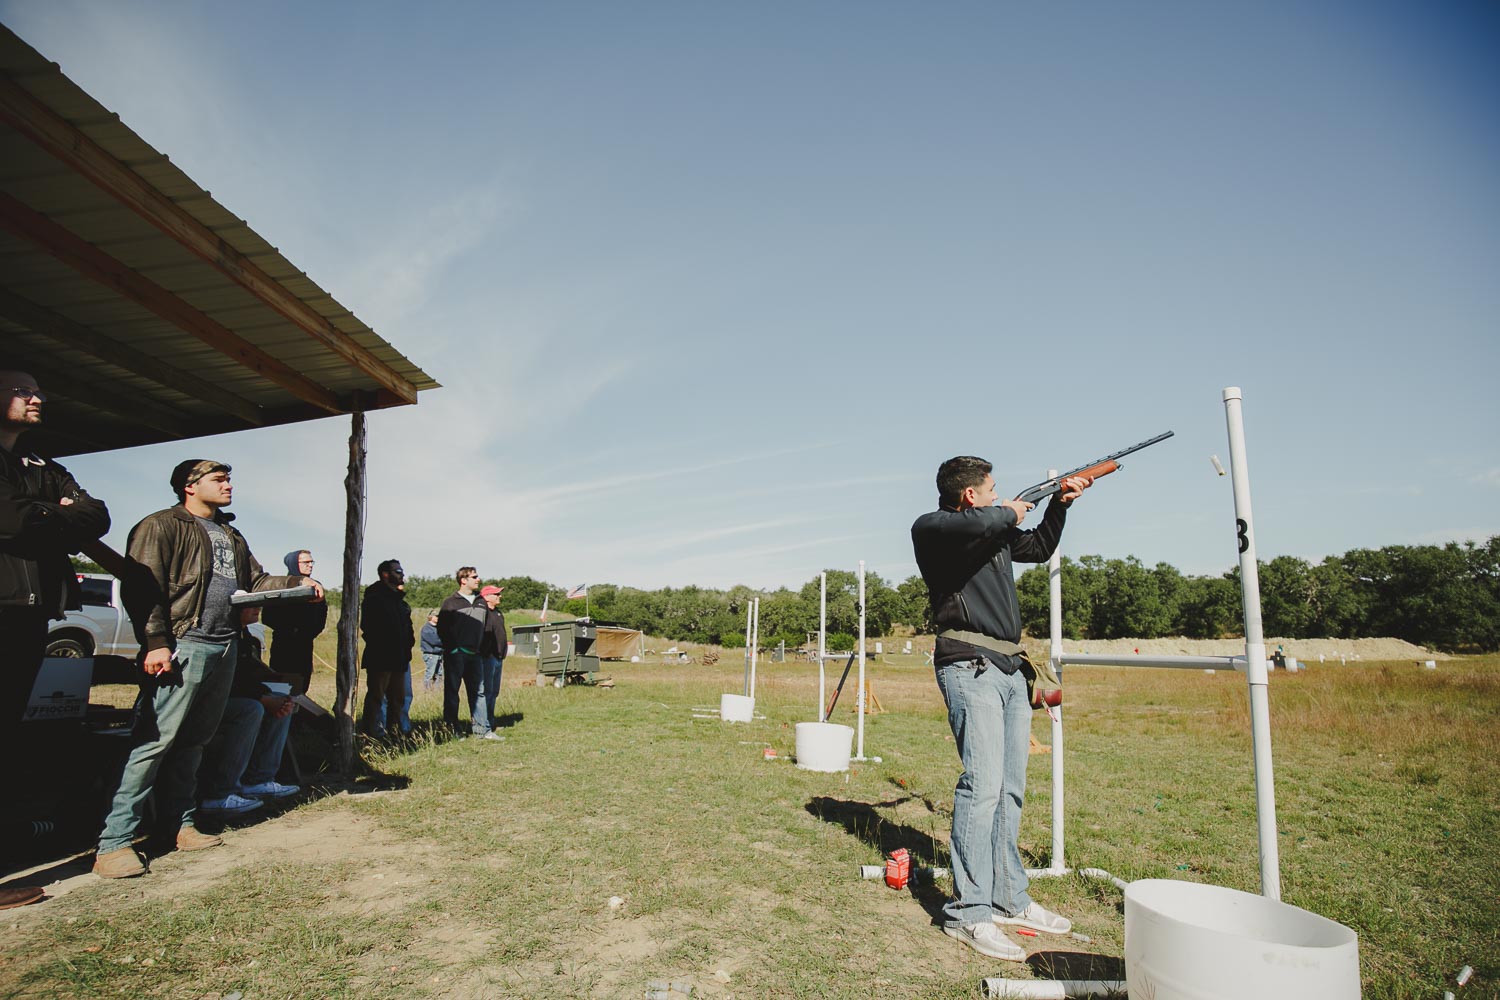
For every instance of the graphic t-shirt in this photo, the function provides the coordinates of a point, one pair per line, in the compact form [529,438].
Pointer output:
[219,621]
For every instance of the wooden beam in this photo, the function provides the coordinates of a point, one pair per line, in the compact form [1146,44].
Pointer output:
[22,221]
[41,320]
[58,137]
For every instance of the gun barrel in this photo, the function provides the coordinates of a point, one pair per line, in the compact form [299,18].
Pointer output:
[1099,467]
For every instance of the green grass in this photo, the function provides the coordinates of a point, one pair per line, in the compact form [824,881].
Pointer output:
[507,854]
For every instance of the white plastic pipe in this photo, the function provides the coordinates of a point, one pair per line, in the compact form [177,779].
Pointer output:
[822,646]
[1255,649]
[1055,651]
[1050,989]
[1149,660]
[754,641]
[749,616]
[859,753]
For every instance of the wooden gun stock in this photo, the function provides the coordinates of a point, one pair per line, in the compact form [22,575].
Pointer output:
[1102,467]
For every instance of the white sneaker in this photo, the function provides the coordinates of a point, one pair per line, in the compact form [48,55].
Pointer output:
[987,939]
[231,803]
[1038,918]
[269,790]
[492,735]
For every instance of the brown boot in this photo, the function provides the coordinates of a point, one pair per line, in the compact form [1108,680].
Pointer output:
[122,862]
[19,895]
[189,839]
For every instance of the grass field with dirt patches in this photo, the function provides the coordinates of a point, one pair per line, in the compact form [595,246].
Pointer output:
[488,869]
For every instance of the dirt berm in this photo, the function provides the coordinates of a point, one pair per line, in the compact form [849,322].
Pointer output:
[1307,650]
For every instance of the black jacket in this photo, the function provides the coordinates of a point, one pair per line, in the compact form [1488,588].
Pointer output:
[37,532]
[462,625]
[965,558]
[385,622]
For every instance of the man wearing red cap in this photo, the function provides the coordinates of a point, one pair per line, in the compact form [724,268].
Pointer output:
[492,650]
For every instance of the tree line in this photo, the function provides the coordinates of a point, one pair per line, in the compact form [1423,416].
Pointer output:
[1446,597]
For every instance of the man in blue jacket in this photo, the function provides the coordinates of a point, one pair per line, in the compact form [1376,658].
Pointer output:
[964,550]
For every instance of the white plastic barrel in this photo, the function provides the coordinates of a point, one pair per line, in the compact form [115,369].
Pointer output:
[736,708]
[1186,941]
[824,746]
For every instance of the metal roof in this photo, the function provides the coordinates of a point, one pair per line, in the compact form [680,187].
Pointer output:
[146,310]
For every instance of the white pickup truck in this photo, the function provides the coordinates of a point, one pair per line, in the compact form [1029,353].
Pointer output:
[100,627]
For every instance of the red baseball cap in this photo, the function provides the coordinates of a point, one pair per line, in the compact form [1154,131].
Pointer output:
[491,589]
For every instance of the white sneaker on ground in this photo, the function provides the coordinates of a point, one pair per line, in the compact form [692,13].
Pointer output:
[492,735]
[987,939]
[1038,918]
[231,803]
[269,790]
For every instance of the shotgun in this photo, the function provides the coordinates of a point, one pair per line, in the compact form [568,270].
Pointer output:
[1095,469]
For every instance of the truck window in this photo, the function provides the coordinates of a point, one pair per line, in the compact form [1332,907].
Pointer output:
[97,592]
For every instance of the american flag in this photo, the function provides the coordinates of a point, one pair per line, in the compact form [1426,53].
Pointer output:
[581,590]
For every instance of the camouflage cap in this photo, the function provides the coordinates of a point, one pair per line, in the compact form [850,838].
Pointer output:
[189,472]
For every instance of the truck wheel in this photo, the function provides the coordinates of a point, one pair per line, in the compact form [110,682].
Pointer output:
[69,646]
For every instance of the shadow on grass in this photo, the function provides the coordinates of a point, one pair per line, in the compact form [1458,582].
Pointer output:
[863,821]
[1079,965]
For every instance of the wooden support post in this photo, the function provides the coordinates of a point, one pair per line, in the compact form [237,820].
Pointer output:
[354,544]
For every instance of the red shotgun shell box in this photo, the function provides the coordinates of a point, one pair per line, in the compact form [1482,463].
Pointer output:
[898,869]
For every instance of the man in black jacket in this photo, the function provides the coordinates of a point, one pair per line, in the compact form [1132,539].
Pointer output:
[385,622]
[44,516]
[964,550]
[461,627]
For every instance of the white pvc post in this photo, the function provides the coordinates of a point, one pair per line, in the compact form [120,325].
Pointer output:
[1255,649]
[822,645]
[859,753]
[754,642]
[749,615]
[1055,651]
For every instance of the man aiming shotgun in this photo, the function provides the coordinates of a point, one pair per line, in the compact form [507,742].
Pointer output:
[964,550]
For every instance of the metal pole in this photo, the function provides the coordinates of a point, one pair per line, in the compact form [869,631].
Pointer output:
[1055,651]
[822,645]
[859,754]
[1255,649]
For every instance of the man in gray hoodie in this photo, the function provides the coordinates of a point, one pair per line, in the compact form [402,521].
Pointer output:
[294,626]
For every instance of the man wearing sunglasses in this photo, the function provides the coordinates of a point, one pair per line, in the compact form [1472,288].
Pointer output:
[461,626]
[44,515]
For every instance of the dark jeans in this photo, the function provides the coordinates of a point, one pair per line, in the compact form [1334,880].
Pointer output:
[389,687]
[23,637]
[466,669]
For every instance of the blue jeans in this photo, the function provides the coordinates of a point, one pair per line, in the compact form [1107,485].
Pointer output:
[990,715]
[176,714]
[434,665]
[405,709]
[270,744]
[465,669]
[225,756]
[494,666]
[245,751]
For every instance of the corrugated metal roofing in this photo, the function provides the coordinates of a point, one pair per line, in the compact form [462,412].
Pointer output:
[148,311]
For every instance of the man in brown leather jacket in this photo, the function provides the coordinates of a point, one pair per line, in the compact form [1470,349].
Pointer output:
[189,560]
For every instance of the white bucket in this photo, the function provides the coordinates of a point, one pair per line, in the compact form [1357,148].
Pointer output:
[823,746]
[736,708]
[1186,941]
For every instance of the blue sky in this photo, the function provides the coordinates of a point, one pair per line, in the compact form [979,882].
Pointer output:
[713,288]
